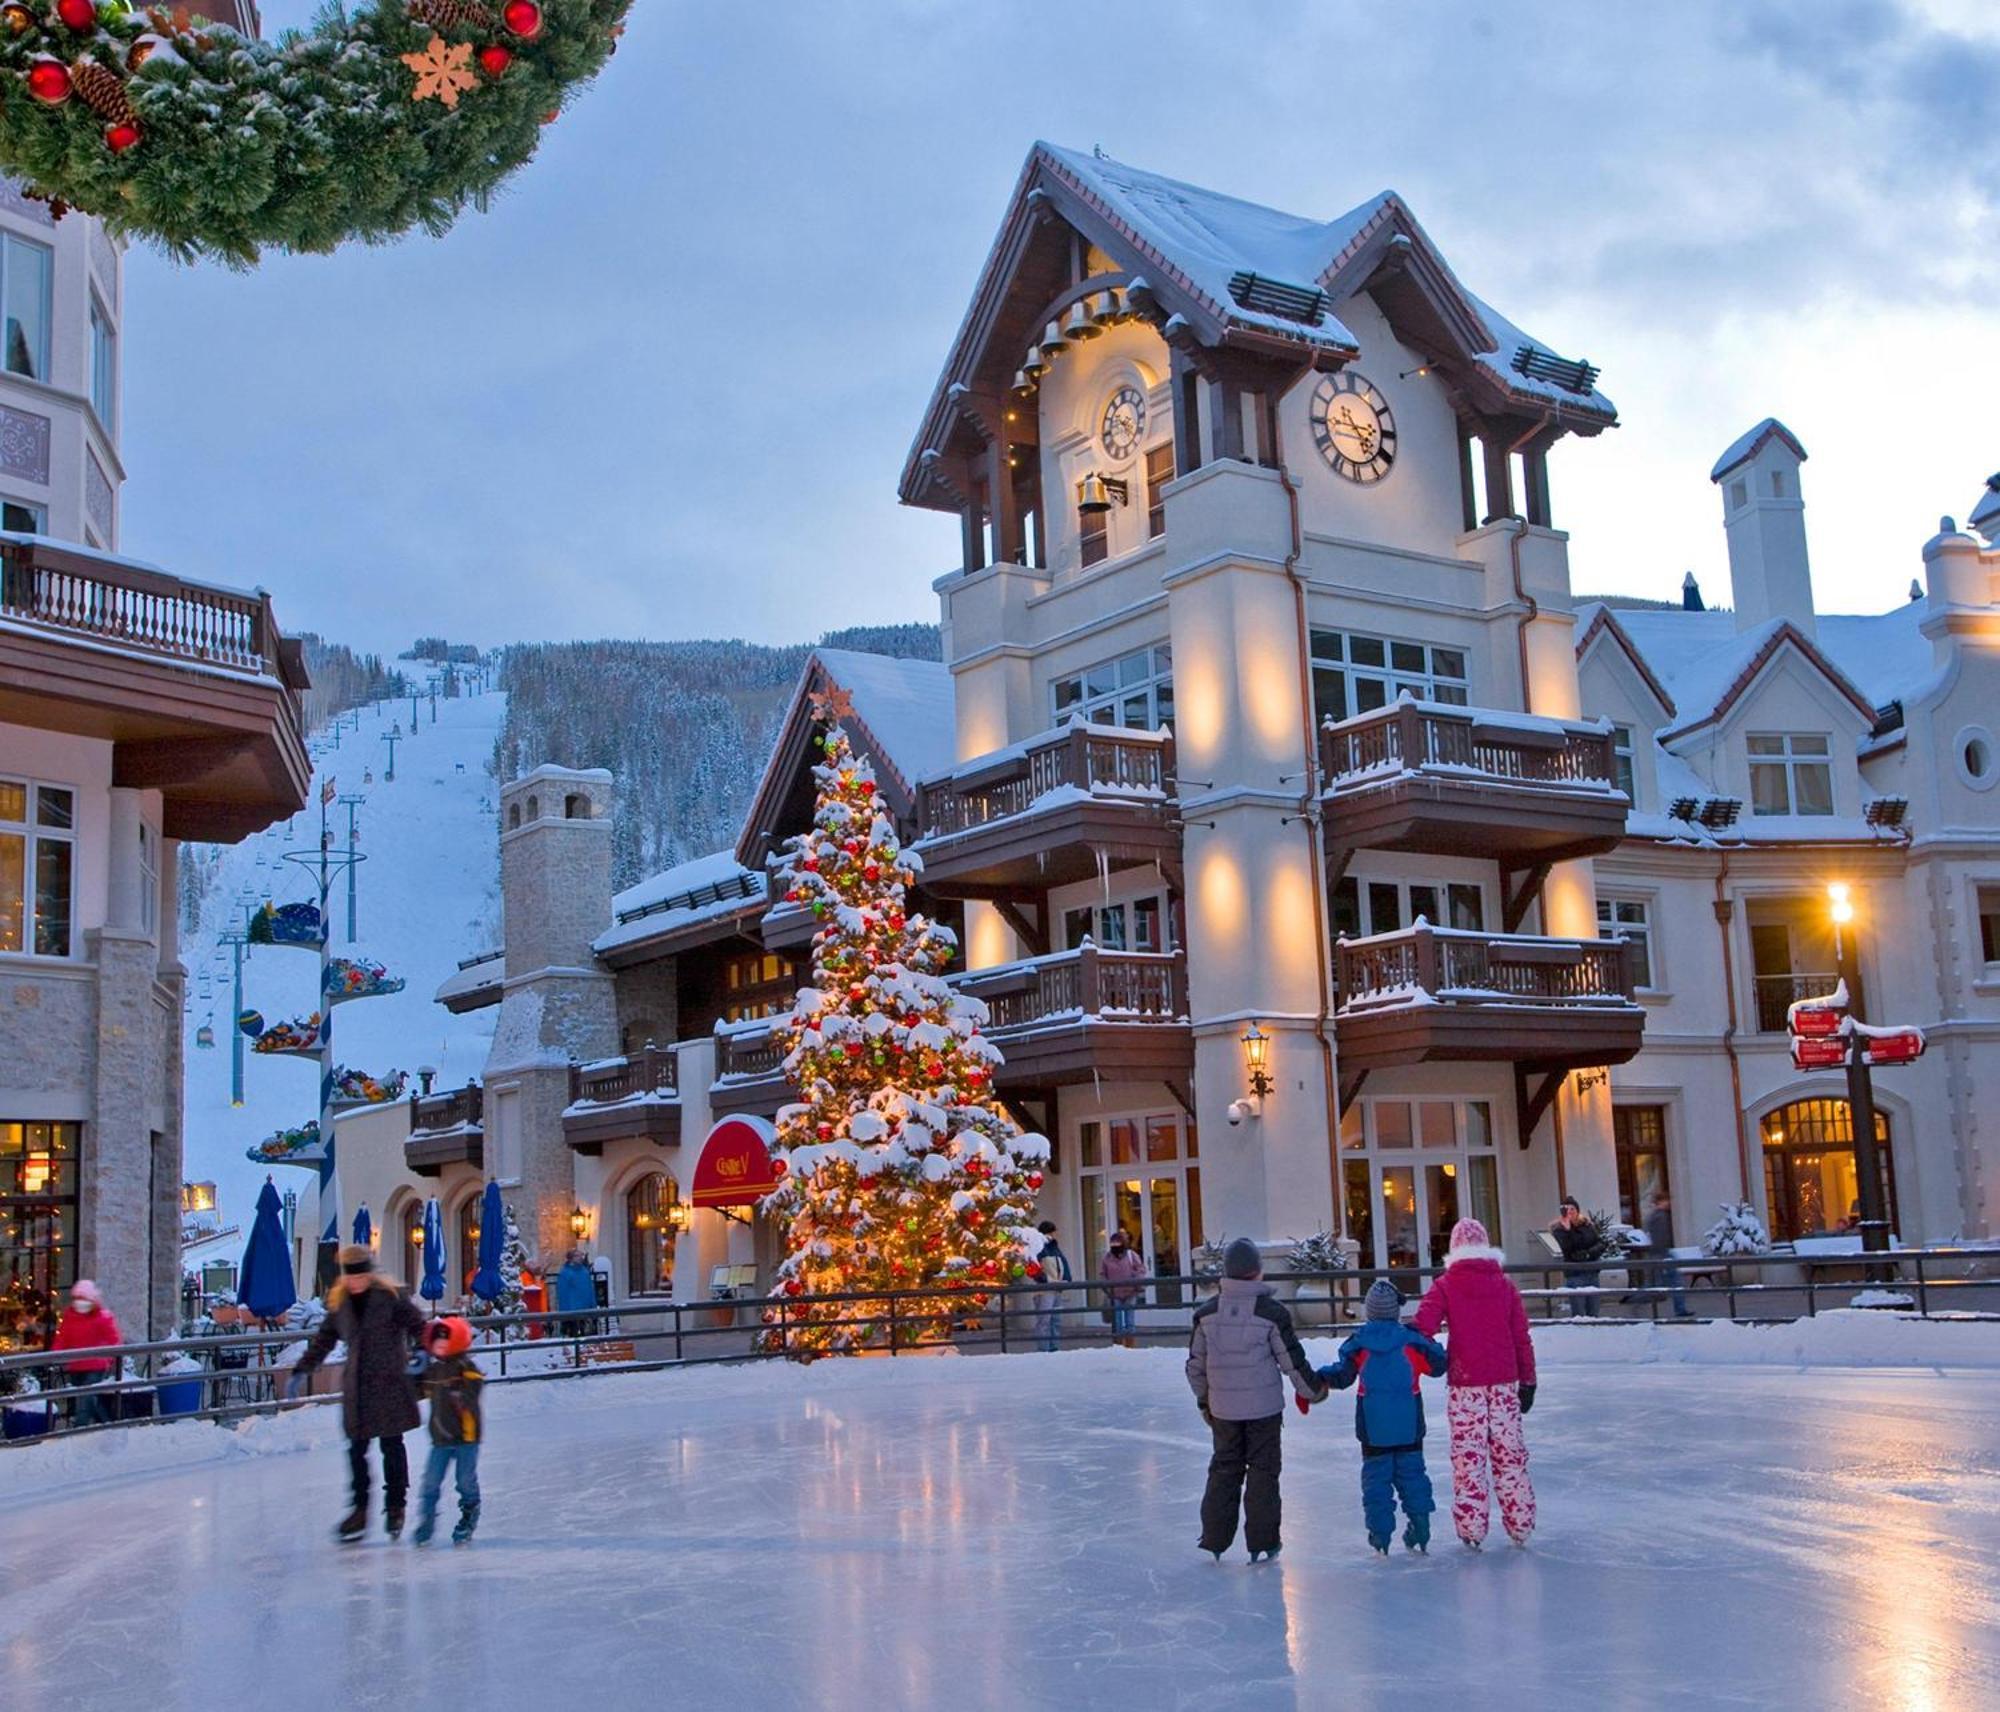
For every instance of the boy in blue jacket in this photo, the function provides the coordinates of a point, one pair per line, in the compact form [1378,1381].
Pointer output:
[1388,1361]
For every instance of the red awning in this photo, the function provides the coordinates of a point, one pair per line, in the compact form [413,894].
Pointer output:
[735,1165]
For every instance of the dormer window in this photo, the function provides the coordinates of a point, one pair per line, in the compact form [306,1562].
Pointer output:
[1790,773]
[1739,493]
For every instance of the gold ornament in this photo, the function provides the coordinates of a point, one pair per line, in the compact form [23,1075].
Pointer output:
[443,71]
[18,19]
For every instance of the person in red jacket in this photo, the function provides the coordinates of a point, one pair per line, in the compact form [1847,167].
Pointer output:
[1491,1380]
[88,1324]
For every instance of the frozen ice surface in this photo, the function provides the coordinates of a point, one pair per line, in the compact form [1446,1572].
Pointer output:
[1722,1525]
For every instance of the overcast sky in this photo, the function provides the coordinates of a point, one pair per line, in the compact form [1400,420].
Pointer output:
[665,387]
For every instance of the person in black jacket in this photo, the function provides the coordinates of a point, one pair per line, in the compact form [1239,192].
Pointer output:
[1576,1236]
[375,1318]
[1660,1244]
[453,1382]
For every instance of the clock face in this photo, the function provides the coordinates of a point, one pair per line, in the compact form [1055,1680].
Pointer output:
[1353,428]
[1124,422]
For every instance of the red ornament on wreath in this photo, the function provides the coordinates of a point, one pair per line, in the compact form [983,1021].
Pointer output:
[79,15]
[48,82]
[495,59]
[121,137]
[524,18]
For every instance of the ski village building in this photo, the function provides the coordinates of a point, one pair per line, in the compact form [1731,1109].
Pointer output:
[1268,711]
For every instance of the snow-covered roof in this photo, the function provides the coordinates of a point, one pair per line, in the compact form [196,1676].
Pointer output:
[1986,514]
[704,888]
[906,705]
[1747,445]
[474,975]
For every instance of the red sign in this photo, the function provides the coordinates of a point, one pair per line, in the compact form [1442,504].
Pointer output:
[1823,1054]
[735,1165]
[1898,1048]
[1815,1021]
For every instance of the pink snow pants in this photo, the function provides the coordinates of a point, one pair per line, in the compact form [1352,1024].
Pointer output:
[1486,1436]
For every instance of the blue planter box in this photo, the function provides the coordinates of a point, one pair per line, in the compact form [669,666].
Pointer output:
[179,1396]
[23,1423]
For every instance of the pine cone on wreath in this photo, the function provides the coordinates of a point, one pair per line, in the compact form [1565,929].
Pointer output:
[452,14]
[103,91]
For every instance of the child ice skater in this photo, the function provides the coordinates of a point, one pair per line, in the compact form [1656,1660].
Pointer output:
[1240,1353]
[1389,1362]
[452,1381]
[1491,1385]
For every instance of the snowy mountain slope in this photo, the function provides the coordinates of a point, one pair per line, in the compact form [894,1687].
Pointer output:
[428,895]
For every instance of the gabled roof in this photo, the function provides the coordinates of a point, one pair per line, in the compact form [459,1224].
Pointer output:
[1746,446]
[1706,664]
[690,901]
[1602,621]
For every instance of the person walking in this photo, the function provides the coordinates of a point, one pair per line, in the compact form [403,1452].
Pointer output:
[375,1318]
[88,1324]
[1241,1351]
[1388,1361]
[1660,1239]
[1490,1385]
[452,1381]
[576,1293]
[1123,1267]
[1576,1236]
[1055,1270]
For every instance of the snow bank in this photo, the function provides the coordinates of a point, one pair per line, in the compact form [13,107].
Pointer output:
[1845,1337]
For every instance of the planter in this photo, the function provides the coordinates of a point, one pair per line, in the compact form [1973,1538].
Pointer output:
[179,1396]
[24,1420]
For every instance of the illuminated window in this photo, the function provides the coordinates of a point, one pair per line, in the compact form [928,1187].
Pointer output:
[37,868]
[1353,673]
[649,1235]
[1627,919]
[38,1210]
[1810,1184]
[1135,690]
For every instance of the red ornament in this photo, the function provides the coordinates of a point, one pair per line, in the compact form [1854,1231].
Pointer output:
[793,1287]
[857,992]
[871,872]
[1034,1269]
[495,59]
[854,1049]
[524,18]
[779,1167]
[810,864]
[896,921]
[1034,1179]
[48,81]
[79,15]
[826,1132]
[121,137]
[989,1268]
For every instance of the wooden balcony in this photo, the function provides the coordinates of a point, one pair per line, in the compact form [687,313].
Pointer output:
[624,1099]
[192,684]
[1087,1015]
[1452,781]
[1434,994]
[750,1069]
[446,1129]
[1049,811]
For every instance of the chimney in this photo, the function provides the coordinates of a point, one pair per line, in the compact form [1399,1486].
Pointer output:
[1764,515]
[1691,600]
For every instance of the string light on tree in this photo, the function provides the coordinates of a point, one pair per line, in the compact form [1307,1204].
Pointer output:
[898,1169]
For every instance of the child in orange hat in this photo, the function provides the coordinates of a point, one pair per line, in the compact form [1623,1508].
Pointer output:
[452,1381]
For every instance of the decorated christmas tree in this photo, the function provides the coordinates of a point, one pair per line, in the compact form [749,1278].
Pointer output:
[898,1169]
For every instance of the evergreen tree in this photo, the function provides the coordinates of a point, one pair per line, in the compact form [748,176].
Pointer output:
[1738,1231]
[898,1168]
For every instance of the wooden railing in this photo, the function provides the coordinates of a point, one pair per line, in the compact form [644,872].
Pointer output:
[648,1071]
[133,608]
[1085,757]
[1481,968]
[447,1110]
[1130,986]
[1409,737]
[753,1052]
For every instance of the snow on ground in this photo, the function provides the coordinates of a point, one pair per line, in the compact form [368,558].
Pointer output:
[427,896]
[1019,1532]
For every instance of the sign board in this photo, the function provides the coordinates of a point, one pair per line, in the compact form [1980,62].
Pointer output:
[1828,1053]
[1903,1046]
[1815,1021]
[735,1165]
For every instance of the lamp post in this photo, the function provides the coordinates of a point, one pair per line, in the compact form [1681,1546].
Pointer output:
[1860,1080]
[392,737]
[351,801]
[236,939]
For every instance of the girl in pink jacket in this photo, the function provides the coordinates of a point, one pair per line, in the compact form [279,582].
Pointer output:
[1492,1385]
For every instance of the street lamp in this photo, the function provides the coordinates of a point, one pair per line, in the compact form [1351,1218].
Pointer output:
[1860,1081]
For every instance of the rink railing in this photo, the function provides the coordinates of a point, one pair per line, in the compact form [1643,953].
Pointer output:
[243,1374]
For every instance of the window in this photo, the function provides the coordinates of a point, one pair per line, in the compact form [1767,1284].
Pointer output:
[1136,925]
[468,1242]
[37,868]
[1093,534]
[1135,691]
[503,1133]
[149,879]
[1810,1184]
[22,518]
[757,984]
[1395,904]
[26,276]
[1621,762]
[38,1206]
[1790,773]
[650,1236]
[1159,471]
[1357,674]
[1989,924]
[1739,494]
[103,368]
[1411,1170]
[1627,919]
[1140,1174]
[1639,1134]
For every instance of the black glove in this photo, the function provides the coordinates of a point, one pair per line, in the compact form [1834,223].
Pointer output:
[1527,1398]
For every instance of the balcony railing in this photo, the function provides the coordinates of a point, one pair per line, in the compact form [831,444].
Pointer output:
[136,609]
[1476,968]
[458,1106]
[1498,747]
[1777,993]
[750,1051]
[1095,760]
[648,1071]
[1125,986]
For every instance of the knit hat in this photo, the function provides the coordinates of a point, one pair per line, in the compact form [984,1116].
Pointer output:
[1383,1301]
[1241,1259]
[84,1290]
[1469,1233]
[448,1336]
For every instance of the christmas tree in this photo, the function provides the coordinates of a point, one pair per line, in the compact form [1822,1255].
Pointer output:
[898,1169]
[513,1257]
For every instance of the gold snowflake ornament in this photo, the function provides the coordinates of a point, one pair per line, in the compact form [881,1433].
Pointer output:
[443,70]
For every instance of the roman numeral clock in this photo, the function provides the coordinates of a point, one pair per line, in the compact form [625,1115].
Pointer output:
[1353,428]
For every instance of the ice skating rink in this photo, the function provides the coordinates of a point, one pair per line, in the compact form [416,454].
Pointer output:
[1721,1526]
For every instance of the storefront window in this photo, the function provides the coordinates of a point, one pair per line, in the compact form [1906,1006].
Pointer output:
[38,1207]
[1413,1169]
[650,1234]
[1139,1175]
[468,1241]
[1640,1135]
[1810,1183]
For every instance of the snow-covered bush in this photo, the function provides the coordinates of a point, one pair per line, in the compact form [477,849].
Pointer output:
[1206,1259]
[1320,1252]
[1738,1231]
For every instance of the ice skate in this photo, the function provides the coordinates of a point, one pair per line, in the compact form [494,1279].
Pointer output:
[1380,1543]
[393,1521]
[352,1526]
[1417,1536]
[1265,1556]
[425,1529]
[468,1519]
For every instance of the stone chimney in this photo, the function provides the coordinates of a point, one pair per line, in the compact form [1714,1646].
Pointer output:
[1764,514]
[1691,600]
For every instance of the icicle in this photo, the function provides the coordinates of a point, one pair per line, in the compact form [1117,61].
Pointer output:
[1104,871]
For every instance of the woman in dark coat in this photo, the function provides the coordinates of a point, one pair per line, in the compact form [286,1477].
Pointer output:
[375,1318]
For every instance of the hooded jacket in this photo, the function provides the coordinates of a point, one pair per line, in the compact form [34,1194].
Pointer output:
[1242,1350]
[88,1331]
[1389,1361]
[453,1384]
[576,1288]
[378,1325]
[1490,1344]
[1124,1267]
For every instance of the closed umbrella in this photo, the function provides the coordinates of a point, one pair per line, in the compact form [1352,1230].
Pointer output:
[364,1226]
[433,1285]
[265,1287]
[492,1238]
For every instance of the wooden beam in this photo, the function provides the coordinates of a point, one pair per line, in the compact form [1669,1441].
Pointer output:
[1033,932]
[1350,1087]
[1520,887]
[1183,1096]
[1002,503]
[164,762]
[1531,1104]
[1499,473]
[1187,412]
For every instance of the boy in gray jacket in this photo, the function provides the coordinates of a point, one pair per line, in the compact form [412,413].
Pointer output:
[1240,1353]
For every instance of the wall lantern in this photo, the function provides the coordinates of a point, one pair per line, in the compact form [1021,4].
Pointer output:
[1256,1059]
[579,1223]
[1593,1077]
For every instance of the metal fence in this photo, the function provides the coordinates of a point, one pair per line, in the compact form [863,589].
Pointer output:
[236,1376]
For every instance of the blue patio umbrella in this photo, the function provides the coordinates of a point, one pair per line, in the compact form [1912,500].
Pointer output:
[364,1226]
[433,1285]
[265,1287]
[492,1238]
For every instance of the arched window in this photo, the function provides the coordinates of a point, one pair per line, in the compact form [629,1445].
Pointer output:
[534,808]
[466,1260]
[1810,1184]
[576,807]
[408,1261]
[650,1234]
[513,817]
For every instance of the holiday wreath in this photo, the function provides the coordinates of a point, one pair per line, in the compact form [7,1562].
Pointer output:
[377,119]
